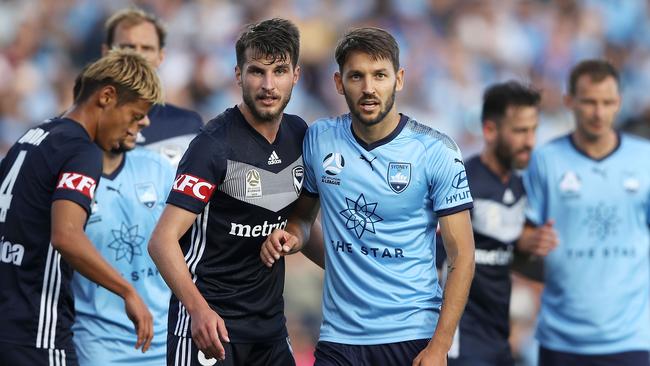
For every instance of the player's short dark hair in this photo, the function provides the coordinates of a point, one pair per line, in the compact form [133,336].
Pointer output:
[275,38]
[376,42]
[598,70]
[131,17]
[498,97]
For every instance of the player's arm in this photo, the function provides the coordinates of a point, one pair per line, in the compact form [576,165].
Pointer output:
[314,249]
[456,230]
[69,239]
[297,232]
[208,328]
[538,240]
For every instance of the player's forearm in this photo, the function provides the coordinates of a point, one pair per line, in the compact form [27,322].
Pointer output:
[79,252]
[168,257]
[459,279]
[314,249]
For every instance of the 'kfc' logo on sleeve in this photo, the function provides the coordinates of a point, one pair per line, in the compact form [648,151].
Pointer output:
[77,182]
[193,187]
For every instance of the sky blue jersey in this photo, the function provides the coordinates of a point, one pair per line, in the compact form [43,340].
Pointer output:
[597,279]
[128,205]
[380,205]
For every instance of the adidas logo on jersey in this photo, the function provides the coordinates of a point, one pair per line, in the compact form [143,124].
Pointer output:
[274,159]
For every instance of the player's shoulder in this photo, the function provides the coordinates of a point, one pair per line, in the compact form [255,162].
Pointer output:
[555,146]
[61,135]
[172,112]
[634,143]
[145,157]
[331,123]
[430,137]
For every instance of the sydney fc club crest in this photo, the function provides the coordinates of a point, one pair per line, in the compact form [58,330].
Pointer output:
[399,176]
[146,194]
[298,174]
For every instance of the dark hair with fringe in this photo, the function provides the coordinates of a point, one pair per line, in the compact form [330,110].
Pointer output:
[376,42]
[498,97]
[275,38]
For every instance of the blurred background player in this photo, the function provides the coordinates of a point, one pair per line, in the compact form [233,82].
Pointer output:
[127,206]
[509,118]
[236,183]
[595,185]
[48,180]
[384,181]
[171,128]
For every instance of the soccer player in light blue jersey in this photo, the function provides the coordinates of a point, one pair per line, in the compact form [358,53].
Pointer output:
[128,203]
[595,185]
[383,181]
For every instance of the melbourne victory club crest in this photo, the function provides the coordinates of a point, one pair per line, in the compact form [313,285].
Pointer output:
[399,176]
[298,175]
[146,193]
[253,184]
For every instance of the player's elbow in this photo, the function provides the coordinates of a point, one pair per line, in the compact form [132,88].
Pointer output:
[155,246]
[62,239]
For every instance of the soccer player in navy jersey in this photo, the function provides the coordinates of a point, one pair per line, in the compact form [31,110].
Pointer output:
[383,181]
[48,180]
[172,128]
[595,185]
[509,119]
[127,205]
[237,181]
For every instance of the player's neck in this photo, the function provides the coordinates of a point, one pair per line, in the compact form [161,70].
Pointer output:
[85,117]
[268,129]
[489,158]
[596,148]
[377,131]
[112,161]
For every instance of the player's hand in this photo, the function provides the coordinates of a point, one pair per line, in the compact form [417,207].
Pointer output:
[539,241]
[208,332]
[431,356]
[139,314]
[278,244]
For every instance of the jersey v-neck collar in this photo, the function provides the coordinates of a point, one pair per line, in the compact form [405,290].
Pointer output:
[256,134]
[117,171]
[391,136]
[619,138]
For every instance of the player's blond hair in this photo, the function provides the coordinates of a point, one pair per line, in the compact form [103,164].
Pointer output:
[132,76]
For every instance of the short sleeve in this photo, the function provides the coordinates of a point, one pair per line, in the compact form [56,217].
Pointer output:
[79,175]
[535,185]
[310,187]
[448,180]
[200,171]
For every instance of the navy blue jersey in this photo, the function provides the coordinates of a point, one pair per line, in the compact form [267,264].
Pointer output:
[170,132]
[497,221]
[54,161]
[242,187]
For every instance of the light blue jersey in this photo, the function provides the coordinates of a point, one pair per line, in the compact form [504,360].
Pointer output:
[380,205]
[128,206]
[597,279]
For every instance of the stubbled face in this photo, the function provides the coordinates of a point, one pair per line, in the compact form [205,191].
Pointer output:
[119,125]
[515,136]
[266,85]
[595,106]
[141,38]
[369,87]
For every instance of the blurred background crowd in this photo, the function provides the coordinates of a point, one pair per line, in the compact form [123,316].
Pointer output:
[451,50]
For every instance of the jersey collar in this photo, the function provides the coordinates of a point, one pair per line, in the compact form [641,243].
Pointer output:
[619,138]
[391,136]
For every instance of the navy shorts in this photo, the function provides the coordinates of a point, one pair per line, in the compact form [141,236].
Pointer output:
[549,357]
[16,355]
[181,351]
[398,354]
